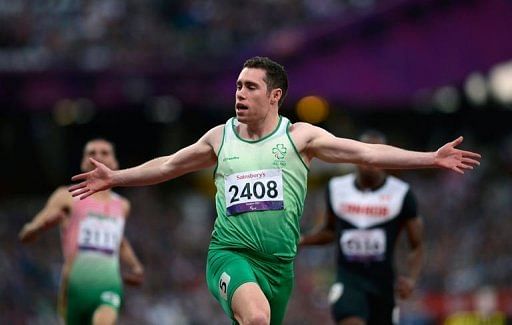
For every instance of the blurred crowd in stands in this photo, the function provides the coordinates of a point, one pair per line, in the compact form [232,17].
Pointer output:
[468,227]
[95,35]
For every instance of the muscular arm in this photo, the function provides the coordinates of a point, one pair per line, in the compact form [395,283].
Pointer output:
[197,156]
[322,236]
[314,142]
[58,205]
[194,157]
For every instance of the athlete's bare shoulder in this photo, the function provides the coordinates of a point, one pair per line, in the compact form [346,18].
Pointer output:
[301,126]
[213,137]
[215,131]
[305,136]
[303,133]
[305,128]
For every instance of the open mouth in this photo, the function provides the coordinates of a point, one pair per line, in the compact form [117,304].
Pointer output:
[240,106]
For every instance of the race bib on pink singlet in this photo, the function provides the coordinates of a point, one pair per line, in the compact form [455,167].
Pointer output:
[363,245]
[256,190]
[99,233]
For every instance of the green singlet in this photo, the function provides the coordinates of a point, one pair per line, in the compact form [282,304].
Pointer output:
[261,188]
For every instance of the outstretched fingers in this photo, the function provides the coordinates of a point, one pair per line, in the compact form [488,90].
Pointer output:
[465,166]
[80,192]
[79,177]
[458,169]
[464,160]
[471,154]
[78,186]
[470,161]
[465,153]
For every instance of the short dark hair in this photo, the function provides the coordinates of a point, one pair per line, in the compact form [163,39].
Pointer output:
[276,76]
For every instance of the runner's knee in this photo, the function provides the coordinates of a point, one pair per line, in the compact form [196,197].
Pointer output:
[255,317]
[250,306]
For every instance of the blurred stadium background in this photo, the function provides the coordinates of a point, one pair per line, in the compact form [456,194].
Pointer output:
[154,75]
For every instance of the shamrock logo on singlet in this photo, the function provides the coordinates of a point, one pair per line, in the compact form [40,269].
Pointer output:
[279,151]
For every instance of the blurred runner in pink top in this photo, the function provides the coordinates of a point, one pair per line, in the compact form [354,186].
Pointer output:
[92,245]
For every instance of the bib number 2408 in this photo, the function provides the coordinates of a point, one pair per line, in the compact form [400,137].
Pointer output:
[254,191]
[259,191]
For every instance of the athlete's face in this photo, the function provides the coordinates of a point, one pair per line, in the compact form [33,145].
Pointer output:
[101,151]
[253,98]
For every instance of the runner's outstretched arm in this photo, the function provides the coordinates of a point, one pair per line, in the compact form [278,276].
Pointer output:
[56,209]
[197,156]
[325,146]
